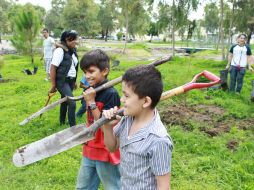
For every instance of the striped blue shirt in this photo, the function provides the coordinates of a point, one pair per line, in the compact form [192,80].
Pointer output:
[144,155]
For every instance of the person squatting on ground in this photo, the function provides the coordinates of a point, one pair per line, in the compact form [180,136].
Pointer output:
[63,73]
[239,57]
[48,47]
[83,84]
[145,146]
[98,164]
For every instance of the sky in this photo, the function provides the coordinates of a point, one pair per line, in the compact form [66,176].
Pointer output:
[43,3]
[47,5]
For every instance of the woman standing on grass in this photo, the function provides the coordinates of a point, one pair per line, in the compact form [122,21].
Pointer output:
[63,73]
[239,57]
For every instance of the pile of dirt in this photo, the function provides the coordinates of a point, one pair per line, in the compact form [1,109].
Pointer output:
[210,118]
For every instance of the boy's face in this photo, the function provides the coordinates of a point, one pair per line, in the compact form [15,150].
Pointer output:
[95,76]
[132,104]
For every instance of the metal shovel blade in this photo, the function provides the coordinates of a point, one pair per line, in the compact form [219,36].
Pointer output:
[52,145]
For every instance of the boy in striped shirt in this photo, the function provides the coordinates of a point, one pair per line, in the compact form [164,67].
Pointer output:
[145,146]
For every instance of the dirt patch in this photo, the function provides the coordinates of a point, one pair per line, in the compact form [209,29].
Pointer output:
[6,80]
[232,145]
[207,118]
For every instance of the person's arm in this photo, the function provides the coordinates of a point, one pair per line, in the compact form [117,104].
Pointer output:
[89,96]
[230,56]
[250,62]
[42,53]
[110,140]
[56,61]
[53,78]
[163,182]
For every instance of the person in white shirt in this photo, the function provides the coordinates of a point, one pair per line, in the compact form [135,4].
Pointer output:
[239,58]
[48,47]
[63,73]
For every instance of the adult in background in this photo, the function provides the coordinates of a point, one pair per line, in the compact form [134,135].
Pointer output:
[48,47]
[239,57]
[63,73]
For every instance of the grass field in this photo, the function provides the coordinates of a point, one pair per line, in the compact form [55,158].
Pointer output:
[224,160]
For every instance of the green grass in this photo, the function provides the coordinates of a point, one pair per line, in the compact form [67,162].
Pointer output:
[199,161]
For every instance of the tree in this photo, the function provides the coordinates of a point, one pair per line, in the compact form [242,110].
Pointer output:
[81,15]
[133,14]
[152,30]
[163,18]
[245,17]
[27,27]
[221,30]
[179,15]
[106,17]
[4,22]
[211,20]
[53,20]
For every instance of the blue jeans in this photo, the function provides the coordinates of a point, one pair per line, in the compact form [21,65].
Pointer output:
[92,172]
[82,109]
[70,105]
[236,76]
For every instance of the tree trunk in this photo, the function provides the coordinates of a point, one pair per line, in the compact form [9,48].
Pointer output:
[106,35]
[31,52]
[173,29]
[126,33]
[249,36]
[230,26]
[222,30]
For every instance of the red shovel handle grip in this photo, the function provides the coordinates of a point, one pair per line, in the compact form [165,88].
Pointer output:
[193,84]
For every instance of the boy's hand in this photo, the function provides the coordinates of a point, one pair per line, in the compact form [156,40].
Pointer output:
[89,95]
[110,113]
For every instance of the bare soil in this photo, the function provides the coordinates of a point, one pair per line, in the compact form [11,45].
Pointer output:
[208,118]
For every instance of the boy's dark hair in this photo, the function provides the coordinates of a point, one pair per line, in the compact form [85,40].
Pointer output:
[45,29]
[96,58]
[69,35]
[145,80]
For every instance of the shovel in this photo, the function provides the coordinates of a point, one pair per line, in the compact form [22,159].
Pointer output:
[50,94]
[76,135]
[99,88]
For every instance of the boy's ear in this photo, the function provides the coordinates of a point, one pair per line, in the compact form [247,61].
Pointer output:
[105,72]
[147,102]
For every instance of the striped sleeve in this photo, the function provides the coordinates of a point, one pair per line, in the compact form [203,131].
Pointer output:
[160,160]
[118,128]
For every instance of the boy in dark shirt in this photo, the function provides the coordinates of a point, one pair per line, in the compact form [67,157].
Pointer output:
[98,164]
